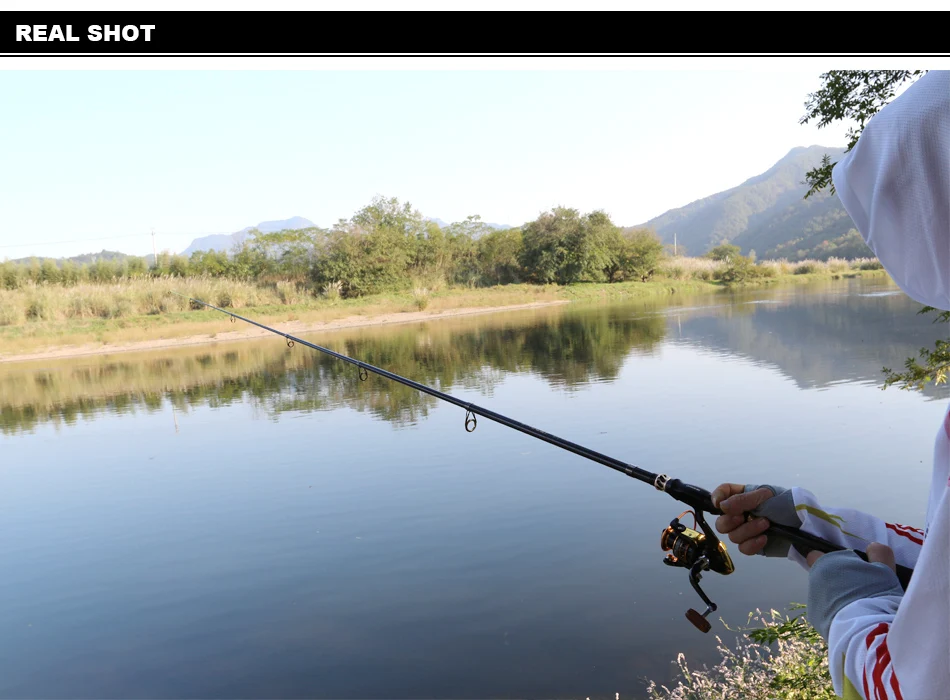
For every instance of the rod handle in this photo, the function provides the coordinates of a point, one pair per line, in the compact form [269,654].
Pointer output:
[804,542]
[696,497]
[903,573]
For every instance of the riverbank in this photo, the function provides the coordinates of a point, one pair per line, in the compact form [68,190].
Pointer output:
[294,327]
[48,335]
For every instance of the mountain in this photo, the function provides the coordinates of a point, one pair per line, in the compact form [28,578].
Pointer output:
[443,224]
[84,259]
[769,214]
[227,241]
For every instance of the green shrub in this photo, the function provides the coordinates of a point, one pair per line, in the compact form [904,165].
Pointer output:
[100,305]
[638,254]
[806,268]
[225,299]
[739,269]
[39,307]
[724,252]
[122,307]
[420,297]
[785,659]
[288,293]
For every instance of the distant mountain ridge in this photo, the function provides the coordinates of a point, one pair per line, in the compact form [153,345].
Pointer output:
[85,258]
[767,213]
[443,224]
[227,241]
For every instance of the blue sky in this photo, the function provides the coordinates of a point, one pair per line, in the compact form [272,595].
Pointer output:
[113,154]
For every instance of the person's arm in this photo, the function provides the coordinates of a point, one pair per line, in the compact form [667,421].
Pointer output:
[797,507]
[853,604]
[885,644]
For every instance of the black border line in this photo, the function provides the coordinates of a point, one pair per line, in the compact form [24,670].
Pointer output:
[321,55]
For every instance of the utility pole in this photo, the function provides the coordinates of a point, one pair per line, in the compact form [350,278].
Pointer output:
[154,251]
[674,243]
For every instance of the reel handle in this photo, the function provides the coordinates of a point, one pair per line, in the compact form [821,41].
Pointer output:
[699,621]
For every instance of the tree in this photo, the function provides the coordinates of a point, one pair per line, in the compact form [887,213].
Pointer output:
[430,253]
[724,252]
[290,253]
[739,269]
[213,263]
[462,242]
[849,95]
[160,266]
[247,261]
[639,253]
[72,273]
[498,256]
[546,241]
[49,272]
[178,266]
[562,246]
[375,250]
[935,363]
[135,267]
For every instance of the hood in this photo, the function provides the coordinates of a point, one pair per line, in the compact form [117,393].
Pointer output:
[895,185]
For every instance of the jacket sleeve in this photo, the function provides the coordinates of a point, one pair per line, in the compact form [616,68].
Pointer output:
[885,644]
[859,602]
[845,527]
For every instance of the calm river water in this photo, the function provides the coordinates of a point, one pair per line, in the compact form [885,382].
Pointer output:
[242,520]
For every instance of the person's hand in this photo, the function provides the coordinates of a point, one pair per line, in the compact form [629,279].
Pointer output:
[734,503]
[876,551]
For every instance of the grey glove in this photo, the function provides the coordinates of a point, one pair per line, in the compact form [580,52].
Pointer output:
[778,509]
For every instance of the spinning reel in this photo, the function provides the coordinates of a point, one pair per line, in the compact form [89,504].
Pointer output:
[696,551]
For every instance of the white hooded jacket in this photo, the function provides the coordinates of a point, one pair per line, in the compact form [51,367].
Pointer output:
[885,643]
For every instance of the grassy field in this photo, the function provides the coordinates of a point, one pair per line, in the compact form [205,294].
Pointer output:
[36,317]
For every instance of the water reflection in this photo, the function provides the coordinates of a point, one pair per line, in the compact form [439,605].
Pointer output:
[816,337]
[566,350]
[819,339]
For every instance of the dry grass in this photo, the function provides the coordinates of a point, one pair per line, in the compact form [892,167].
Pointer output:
[778,267]
[143,297]
[704,269]
[680,268]
[333,290]
[420,297]
[173,319]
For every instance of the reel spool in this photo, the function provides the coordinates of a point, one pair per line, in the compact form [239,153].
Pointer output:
[697,550]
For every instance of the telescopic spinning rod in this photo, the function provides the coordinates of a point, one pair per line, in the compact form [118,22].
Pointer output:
[697,549]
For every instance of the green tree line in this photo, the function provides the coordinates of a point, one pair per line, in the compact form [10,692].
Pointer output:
[388,246]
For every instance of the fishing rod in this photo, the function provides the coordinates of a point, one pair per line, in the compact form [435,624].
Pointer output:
[697,549]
